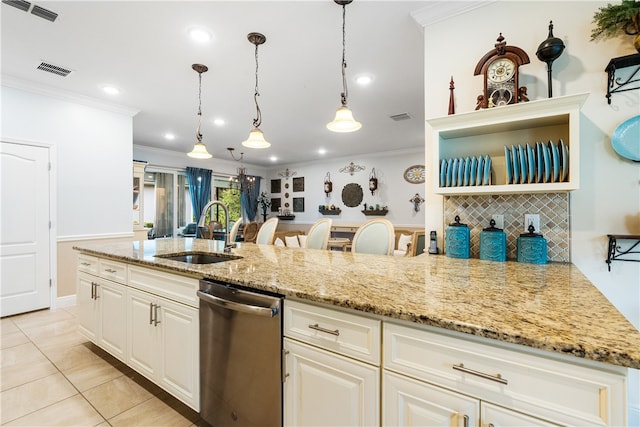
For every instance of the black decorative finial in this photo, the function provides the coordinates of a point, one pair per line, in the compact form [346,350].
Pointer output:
[548,51]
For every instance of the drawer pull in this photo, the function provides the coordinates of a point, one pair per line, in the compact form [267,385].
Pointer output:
[86,264]
[326,331]
[466,420]
[109,270]
[497,378]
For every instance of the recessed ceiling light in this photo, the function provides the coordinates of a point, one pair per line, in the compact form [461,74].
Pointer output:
[169,136]
[218,122]
[199,35]
[322,151]
[273,158]
[364,79]
[111,90]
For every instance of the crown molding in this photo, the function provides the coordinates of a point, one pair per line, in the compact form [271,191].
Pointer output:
[438,11]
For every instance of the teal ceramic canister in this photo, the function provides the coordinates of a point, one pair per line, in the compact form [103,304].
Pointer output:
[532,247]
[493,243]
[457,239]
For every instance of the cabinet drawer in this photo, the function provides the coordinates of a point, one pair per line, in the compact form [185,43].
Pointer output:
[343,333]
[88,264]
[172,286]
[562,392]
[113,270]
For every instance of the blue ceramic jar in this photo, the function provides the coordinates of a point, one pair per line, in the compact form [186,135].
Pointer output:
[532,247]
[493,243]
[457,239]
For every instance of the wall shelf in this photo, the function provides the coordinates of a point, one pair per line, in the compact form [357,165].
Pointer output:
[617,85]
[615,251]
[375,212]
[287,217]
[335,211]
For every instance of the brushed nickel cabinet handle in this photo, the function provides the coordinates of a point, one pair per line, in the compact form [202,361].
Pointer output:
[466,420]
[86,264]
[285,374]
[317,327]
[151,313]
[497,378]
[155,309]
[95,292]
[109,270]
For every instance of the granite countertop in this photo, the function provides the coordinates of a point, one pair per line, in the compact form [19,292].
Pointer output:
[552,307]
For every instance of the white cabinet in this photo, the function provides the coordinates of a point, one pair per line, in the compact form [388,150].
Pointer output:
[101,304]
[332,363]
[487,132]
[496,416]
[541,387]
[163,344]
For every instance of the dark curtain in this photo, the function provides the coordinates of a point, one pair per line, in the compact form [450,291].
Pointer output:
[249,200]
[199,190]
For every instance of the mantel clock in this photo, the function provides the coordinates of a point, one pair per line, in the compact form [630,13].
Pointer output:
[500,67]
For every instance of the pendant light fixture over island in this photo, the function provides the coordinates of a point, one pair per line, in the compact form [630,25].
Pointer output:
[256,137]
[199,149]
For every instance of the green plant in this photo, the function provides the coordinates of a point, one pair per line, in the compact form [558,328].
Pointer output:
[614,19]
[264,201]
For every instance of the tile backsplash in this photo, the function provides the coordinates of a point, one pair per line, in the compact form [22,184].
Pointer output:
[476,211]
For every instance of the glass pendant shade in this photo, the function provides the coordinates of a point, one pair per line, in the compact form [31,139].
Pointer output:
[199,151]
[344,121]
[256,140]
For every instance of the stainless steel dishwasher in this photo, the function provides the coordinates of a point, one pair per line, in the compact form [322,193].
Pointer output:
[240,356]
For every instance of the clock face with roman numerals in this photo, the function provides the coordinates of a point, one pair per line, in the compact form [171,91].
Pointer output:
[415,174]
[501,70]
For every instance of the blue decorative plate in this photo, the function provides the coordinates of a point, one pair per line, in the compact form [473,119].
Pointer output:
[546,157]
[531,160]
[467,170]
[507,164]
[449,170]
[626,139]
[522,156]
[539,163]
[487,171]
[454,172]
[443,172]
[460,172]
[480,173]
[564,155]
[516,165]
[555,158]
[473,171]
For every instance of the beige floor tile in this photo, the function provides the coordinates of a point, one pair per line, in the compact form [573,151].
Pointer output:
[39,318]
[22,364]
[93,374]
[27,398]
[152,412]
[12,339]
[116,396]
[7,326]
[73,411]
[66,357]
[73,310]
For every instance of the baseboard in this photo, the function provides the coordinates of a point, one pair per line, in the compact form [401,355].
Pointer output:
[66,301]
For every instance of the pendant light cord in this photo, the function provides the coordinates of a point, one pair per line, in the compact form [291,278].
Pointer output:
[344,94]
[198,134]
[258,120]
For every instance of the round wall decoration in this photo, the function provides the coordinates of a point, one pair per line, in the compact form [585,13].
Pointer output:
[352,195]
[414,174]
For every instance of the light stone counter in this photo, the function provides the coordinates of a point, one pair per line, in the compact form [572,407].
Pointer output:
[551,307]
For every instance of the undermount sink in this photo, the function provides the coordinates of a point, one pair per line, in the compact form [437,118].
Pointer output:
[198,257]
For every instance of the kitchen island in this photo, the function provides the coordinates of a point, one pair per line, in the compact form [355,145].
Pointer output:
[562,345]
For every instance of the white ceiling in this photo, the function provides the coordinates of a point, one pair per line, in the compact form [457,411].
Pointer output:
[143,49]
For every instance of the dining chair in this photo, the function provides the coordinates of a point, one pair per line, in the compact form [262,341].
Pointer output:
[250,232]
[318,236]
[234,230]
[374,237]
[266,232]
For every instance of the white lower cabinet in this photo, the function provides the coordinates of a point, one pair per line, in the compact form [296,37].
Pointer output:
[163,343]
[102,313]
[327,389]
[496,416]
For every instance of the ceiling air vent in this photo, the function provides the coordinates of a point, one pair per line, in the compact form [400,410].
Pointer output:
[400,117]
[44,13]
[50,68]
[19,4]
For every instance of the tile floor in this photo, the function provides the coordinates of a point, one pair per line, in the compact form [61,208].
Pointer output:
[50,375]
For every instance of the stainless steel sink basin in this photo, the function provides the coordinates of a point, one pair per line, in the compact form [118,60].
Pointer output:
[198,257]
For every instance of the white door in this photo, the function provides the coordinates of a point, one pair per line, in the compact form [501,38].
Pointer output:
[24,225]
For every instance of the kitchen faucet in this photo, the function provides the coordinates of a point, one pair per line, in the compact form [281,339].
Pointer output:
[203,216]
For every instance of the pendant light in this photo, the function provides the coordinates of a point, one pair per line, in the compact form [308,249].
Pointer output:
[256,137]
[344,121]
[199,149]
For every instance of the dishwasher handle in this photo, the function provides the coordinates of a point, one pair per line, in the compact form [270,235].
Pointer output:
[237,306]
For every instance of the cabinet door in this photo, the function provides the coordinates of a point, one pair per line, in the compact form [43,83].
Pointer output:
[408,402]
[87,306]
[142,334]
[112,318]
[179,343]
[496,416]
[325,389]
